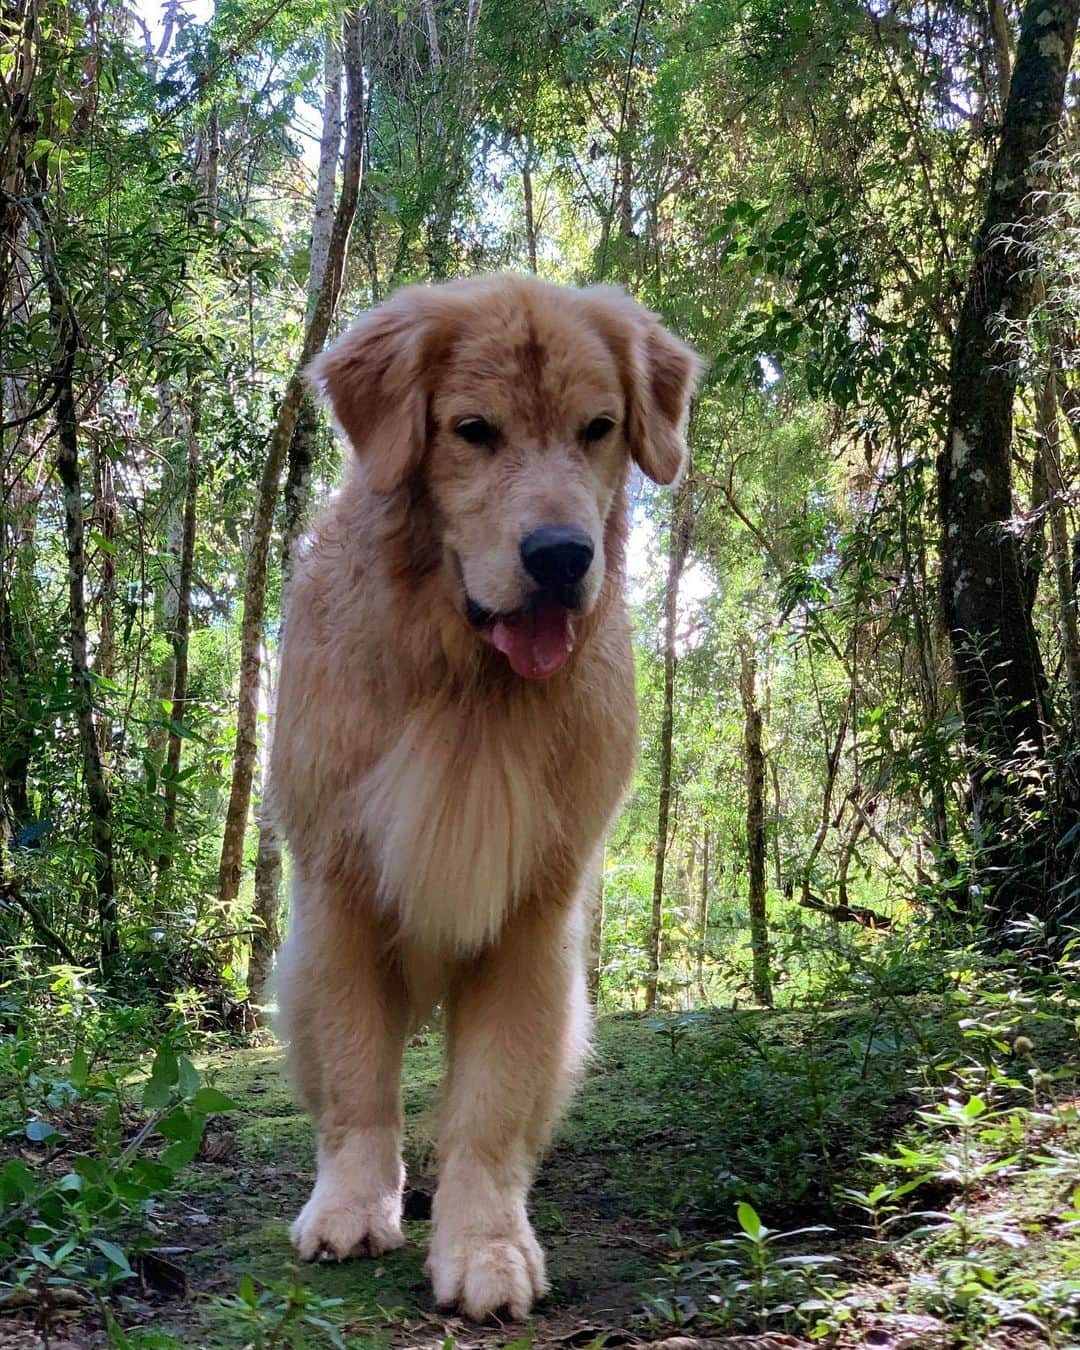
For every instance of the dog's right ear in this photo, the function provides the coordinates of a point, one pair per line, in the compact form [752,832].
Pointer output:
[373,379]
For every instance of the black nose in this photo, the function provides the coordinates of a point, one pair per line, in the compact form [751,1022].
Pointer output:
[556,555]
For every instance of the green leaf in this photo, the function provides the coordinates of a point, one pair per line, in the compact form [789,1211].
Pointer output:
[166,1067]
[209,1100]
[114,1254]
[178,1125]
[41,1131]
[749,1221]
[151,1174]
[156,1093]
[16,1179]
[106,545]
[79,1070]
[92,1170]
[189,1078]
[178,1155]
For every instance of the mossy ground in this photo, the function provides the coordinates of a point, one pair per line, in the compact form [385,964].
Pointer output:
[677,1120]
[600,1204]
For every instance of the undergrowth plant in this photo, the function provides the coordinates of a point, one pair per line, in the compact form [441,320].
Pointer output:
[750,1281]
[74,1219]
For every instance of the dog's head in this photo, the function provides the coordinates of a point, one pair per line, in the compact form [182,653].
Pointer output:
[521,404]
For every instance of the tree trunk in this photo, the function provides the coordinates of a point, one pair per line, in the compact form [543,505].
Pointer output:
[1002,42]
[594,955]
[530,209]
[68,470]
[266,911]
[18,530]
[678,546]
[755,828]
[998,668]
[928,633]
[106,512]
[182,627]
[316,329]
[702,918]
[207,172]
[778,815]
[167,589]
[834,748]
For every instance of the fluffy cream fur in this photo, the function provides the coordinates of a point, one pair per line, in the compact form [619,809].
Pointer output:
[443,812]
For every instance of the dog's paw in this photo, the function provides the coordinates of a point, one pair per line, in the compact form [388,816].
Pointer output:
[334,1227]
[486,1273]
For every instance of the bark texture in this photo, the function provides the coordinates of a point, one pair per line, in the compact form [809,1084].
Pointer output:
[755,827]
[678,547]
[998,668]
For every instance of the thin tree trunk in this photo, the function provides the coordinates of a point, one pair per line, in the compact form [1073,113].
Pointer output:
[266,910]
[678,547]
[213,164]
[777,814]
[847,853]
[18,529]
[703,917]
[595,952]
[167,591]
[530,209]
[316,329]
[1002,41]
[927,627]
[755,828]
[998,667]
[182,628]
[180,631]
[68,470]
[106,512]
[833,755]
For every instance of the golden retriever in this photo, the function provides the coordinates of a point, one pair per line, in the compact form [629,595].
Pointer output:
[455,728]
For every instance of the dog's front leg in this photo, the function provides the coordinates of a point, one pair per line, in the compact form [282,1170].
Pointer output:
[517,1029]
[344,1007]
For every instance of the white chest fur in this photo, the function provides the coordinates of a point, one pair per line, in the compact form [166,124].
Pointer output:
[457,813]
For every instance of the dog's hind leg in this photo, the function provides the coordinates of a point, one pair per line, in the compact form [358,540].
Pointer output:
[343,1006]
[517,1030]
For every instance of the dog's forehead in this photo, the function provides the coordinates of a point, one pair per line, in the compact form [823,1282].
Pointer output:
[540,364]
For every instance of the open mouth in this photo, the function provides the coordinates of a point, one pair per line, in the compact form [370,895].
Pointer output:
[537,639]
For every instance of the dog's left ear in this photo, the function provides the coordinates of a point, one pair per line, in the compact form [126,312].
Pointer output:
[373,379]
[659,376]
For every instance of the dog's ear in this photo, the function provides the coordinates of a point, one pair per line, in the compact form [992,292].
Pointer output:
[659,375]
[373,379]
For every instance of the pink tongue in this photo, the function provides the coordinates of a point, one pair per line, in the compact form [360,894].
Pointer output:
[535,641]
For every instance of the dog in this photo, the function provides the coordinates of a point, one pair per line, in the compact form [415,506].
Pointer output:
[455,729]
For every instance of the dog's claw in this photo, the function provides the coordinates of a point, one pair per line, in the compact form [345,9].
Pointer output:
[485,1275]
[328,1230]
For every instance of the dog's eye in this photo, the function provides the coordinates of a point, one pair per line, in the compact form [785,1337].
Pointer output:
[598,428]
[477,431]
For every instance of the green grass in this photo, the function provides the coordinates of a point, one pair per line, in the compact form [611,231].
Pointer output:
[678,1119]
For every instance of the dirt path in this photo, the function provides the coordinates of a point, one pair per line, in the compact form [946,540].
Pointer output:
[679,1120]
[601,1204]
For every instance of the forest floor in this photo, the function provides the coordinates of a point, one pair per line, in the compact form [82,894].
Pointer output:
[679,1119]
